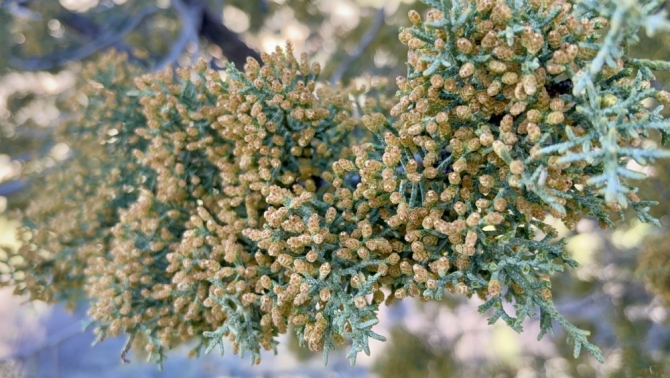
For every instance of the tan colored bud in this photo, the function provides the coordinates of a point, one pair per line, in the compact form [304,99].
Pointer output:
[555,39]
[663,97]
[420,273]
[534,115]
[571,51]
[555,69]
[316,68]
[529,84]
[460,208]
[415,43]
[462,288]
[555,118]
[494,218]
[534,43]
[324,270]
[324,294]
[517,108]
[360,302]
[517,167]
[437,81]
[414,17]
[442,118]
[383,269]
[609,100]
[494,88]
[484,6]
[556,104]
[494,288]
[464,45]
[487,181]
[463,112]
[500,204]
[510,78]
[471,238]
[497,66]
[467,70]
[534,131]
[473,219]
[486,139]
[405,268]
[504,53]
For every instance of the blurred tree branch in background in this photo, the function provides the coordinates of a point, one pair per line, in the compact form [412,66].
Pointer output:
[197,21]
[363,44]
[215,31]
[102,39]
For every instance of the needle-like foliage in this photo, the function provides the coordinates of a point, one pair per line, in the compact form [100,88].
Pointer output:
[212,206]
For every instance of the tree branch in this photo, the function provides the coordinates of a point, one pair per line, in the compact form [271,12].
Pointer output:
[363,44]
[190,13]
[88,28]
[12,187]
[197,21]
[60,58]
[213,29]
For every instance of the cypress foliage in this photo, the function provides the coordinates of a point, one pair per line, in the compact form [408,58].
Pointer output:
[205,205]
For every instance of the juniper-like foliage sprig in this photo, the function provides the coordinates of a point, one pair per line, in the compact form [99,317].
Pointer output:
[224,208]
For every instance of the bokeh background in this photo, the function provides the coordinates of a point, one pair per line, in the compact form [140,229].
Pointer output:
[620,291]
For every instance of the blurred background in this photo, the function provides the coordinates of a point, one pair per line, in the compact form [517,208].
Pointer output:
[621,291]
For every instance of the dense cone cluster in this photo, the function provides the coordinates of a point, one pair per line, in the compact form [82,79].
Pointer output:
[232,205]
[76,204]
